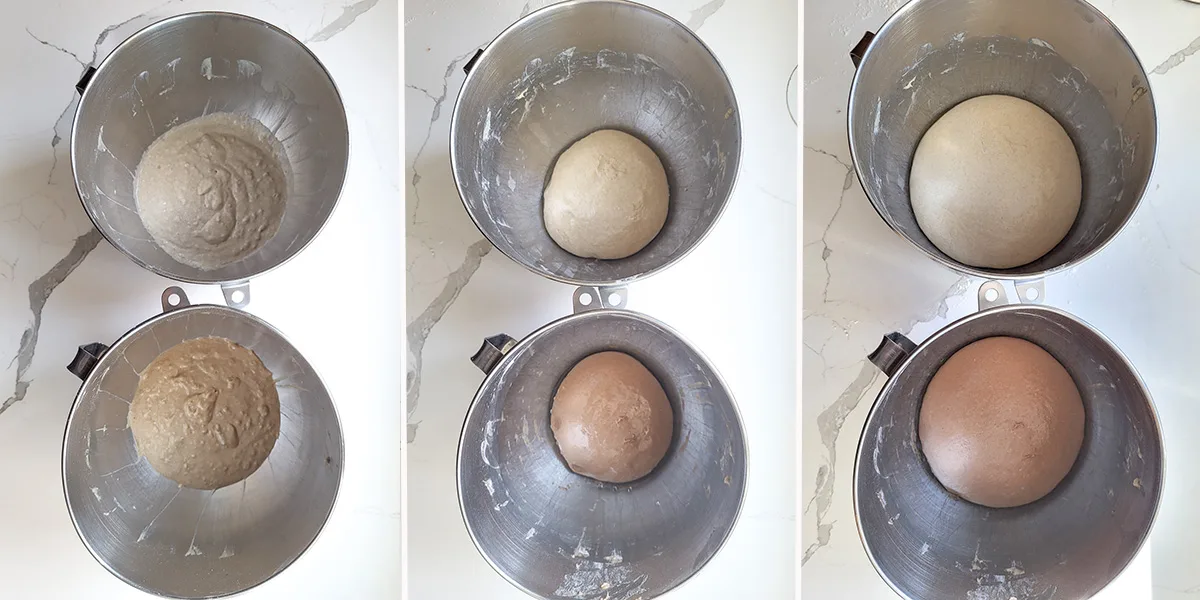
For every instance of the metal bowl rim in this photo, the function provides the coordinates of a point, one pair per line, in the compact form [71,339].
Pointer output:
[510,31]
[341,110]
[988,313]
[528,340]
[977,271]
[71,418]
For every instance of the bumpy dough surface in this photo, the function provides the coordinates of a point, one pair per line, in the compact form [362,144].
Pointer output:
[206,413]
[607,196]
[996,182]
[211,191]
[611,418]
[1001,423]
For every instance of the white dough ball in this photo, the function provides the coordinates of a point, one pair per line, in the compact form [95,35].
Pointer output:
[996,182]
[607,196]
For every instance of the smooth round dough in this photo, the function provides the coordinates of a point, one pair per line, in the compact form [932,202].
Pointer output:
[211,191]
[996,182]
[607,196]
[1001,423]
[206,413]
[611,418]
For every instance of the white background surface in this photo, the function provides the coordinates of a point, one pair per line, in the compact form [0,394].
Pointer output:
[333,301]
[734,297]
[862,281]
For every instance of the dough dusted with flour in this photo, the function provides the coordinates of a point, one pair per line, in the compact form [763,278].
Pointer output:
[996,182]
[607,196]
[206,413]
[212,190]
[611,418]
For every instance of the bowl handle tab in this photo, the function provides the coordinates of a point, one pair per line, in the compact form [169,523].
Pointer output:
[237,295]
[589,297]
[86,358]
[471,63]
[860,49]
[892,352]
[85,79]
[174,298]
[492,352]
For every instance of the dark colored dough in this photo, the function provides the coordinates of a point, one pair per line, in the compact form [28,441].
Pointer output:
[611,418]
[1001,423]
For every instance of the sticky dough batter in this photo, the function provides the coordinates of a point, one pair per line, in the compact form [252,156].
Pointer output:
[206,413]
[212,190]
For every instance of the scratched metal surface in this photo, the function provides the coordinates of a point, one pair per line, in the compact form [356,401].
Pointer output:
[567,71]
[931,545]
[556,534]
[189,66]
[180,542]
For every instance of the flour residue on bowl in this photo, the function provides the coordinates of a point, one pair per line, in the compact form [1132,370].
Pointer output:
[592,580]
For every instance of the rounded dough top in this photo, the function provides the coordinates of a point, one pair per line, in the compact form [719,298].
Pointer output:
[607,197]
[611,418]
[1001,423]
[996,182]
[205,413]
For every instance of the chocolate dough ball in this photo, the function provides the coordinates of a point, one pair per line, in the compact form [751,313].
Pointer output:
[1001,423]
[611,418]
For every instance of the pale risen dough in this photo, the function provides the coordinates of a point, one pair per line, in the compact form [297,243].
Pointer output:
[995,182]
[206,413]
[212,190]
[611,418]
[607,196]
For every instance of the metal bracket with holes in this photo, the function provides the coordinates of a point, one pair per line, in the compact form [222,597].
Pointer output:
[992,293]
[594,298]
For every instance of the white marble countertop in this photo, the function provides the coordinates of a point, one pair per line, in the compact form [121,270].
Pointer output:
[862,281]
[461,290]
[61,285]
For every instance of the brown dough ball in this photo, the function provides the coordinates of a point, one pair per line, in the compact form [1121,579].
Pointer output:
[1001,423]
[205,413]
[611,418]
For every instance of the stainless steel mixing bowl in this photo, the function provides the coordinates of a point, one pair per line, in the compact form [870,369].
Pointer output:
[1062,55]
[929,544]
[188,66]
[183,543]
[568,70]
[558,535]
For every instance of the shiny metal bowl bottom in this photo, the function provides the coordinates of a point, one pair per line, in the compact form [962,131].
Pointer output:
[559,535]
[184,543]
[929,544]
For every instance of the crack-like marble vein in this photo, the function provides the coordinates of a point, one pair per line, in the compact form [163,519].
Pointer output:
[419,328]
[833,417]
[39,292]
[1177,59]
[59,48]
[829,423]
[699,16]
[434,115]
[338,25]
[826,251]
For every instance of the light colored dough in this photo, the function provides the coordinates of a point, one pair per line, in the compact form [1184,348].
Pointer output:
[611,418]
[607,196]
[1001,422]
[206,413]
[211,191]
[996,182]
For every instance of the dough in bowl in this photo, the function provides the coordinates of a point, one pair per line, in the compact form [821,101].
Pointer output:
[611,418]
[607,196]
[212,190]
[995,182]
[1001,423]
[205,413]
